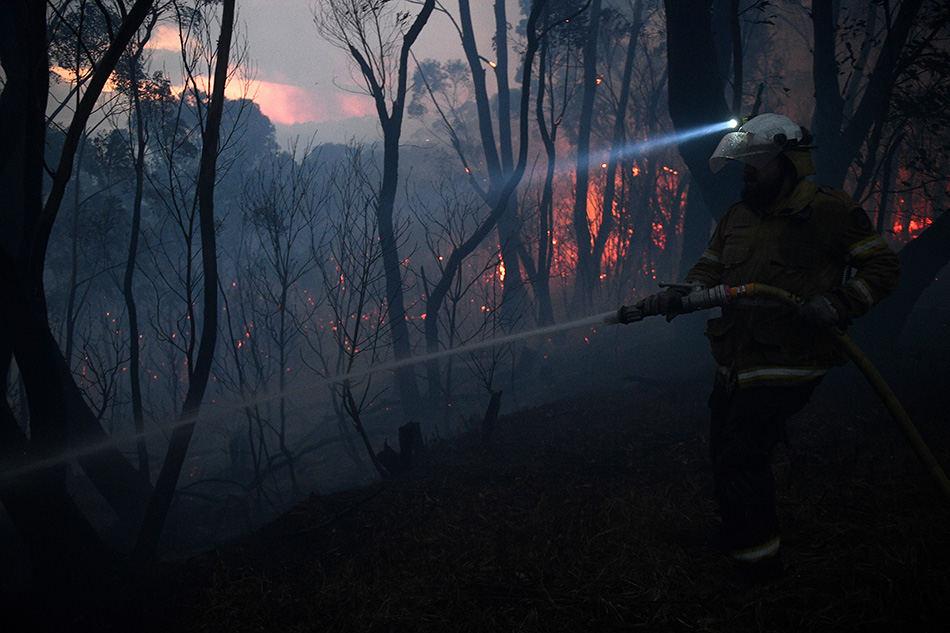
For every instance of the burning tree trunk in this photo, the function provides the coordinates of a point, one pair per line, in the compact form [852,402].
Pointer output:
[586,274]
[618,143]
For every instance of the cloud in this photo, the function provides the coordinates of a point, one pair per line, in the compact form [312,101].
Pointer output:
[287,104]
[281,103]
[355,105]
[164,38]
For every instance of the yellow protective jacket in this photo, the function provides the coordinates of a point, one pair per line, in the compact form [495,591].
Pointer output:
[818,241]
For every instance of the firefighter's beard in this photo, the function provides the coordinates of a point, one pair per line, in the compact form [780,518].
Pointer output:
[759,195]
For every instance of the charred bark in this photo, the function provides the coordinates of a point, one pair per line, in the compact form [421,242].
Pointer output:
[696,98]
[23,51]
[63,548]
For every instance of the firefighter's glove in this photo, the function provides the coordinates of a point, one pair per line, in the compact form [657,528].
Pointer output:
[668,303]
[818,314]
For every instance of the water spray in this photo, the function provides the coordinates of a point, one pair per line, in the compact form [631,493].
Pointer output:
[635,149]
[222,411]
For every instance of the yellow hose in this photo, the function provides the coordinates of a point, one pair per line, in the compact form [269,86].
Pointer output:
[850,348]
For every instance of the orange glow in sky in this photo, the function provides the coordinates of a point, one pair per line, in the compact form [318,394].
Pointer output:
[164,38]
[281,103]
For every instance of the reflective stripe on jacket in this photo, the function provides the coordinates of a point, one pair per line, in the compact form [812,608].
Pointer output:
[804,245]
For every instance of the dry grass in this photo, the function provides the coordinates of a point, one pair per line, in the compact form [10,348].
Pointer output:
[580,516]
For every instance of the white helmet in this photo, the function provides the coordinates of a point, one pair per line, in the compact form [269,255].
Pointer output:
[758,141]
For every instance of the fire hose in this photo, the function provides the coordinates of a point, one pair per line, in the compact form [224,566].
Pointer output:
[698,298]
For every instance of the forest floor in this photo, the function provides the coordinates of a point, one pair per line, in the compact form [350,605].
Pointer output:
[585,515]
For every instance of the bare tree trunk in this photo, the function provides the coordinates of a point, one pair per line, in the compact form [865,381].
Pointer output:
[72,311]
[23,51]
[548,133]
[344,24]
[586,268]
[65,552]
[398,322]
[618,143]
[146,547]
[842,134]
[138,417]
[436,297]
[696,99]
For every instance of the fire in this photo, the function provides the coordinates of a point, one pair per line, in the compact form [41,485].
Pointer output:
[910,213]
[648,204]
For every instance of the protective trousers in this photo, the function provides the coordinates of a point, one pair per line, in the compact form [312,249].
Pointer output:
[746,424]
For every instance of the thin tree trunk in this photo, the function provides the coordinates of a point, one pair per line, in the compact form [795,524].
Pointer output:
[436,297]
[22,160]
[619,143]
[586,268]
[541,284]
[135,382]
[146,547]
[71,309]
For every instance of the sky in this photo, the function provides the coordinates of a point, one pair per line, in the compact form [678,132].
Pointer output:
[305,85]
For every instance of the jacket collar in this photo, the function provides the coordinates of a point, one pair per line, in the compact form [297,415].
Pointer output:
[796,204]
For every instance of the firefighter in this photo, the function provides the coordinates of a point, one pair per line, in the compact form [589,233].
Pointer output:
[813,241]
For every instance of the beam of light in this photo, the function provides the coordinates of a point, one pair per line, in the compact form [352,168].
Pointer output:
[9,476]
[665,140]
[640,148]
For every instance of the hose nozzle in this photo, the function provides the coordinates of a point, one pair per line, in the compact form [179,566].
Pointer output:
[682,299]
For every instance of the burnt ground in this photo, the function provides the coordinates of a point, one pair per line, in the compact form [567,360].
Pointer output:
[585,515]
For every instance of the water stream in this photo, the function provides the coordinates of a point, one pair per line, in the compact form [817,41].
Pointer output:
[211,412]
